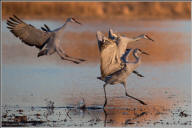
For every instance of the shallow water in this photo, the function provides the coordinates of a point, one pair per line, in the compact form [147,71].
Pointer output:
[28,82]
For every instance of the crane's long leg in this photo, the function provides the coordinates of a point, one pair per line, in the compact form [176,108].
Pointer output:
[62,55]
[137,73]
[105,120]
[125,87]
[70,56]
[105,95]
[80,59]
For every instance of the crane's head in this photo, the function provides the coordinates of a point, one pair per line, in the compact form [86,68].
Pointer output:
[73,20]
[147,37]
[138,52]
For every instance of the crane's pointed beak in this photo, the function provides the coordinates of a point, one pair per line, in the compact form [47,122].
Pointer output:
[149,38]
[77,22]
[145,53]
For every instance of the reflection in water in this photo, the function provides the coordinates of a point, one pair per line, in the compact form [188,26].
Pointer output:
[129,121]
[132,115]
[49,108]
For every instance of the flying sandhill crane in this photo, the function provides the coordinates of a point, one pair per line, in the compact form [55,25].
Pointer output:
[47,41]
[121,75]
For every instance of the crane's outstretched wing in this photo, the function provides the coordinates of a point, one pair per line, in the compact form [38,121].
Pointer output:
[110,61]
[99,37]
[121,41]
[27,33]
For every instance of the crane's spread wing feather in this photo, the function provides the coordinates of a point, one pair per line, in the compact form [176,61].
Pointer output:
[46,28]
[27,33]
[110,61]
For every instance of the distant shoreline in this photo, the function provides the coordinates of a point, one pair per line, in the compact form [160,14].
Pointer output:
[98,10]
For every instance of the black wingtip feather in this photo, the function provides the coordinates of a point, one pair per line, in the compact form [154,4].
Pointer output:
[9,27]
[42,28]
[13,20]
[18,18]
[48,29]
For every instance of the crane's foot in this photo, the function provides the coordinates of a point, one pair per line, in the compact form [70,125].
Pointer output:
[76,62]
[74,58]
[105,104]
[142,102]
[82,60]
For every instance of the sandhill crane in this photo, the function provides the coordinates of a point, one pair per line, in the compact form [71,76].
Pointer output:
[111,50]
[47,41]
[121,75]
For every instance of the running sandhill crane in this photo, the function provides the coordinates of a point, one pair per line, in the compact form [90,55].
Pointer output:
[111,51]
[121,75]
[47,41]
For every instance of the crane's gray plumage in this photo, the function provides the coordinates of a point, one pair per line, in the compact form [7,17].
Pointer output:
[110,61]
[27,33]
[46,40]
[121,75]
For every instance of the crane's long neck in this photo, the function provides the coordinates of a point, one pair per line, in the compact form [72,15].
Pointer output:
[133,65]
[61,29]
[64,25]
[137,38]
[137,59]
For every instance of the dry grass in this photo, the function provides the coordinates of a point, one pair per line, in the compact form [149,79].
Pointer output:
[94,10]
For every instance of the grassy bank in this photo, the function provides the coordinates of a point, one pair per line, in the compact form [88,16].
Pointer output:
[98,10]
